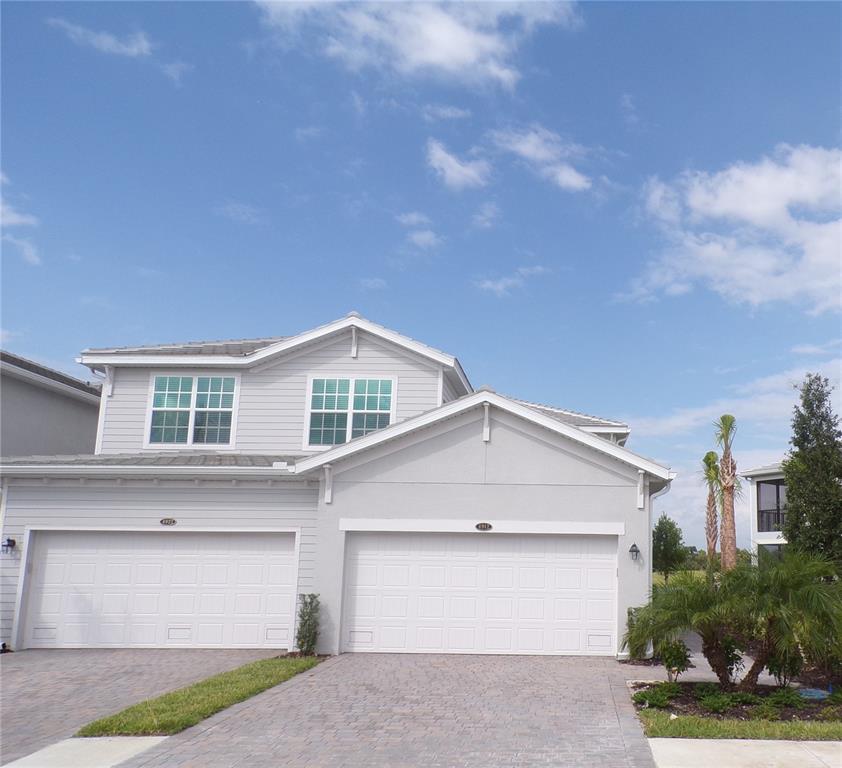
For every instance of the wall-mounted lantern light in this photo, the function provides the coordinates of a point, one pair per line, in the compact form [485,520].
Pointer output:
[634,551]
[7,546]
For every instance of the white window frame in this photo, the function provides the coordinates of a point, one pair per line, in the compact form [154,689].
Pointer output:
[352,377]
[190,445]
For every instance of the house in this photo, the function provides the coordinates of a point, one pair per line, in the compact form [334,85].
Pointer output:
[767,507]
[43,411]
[350,461]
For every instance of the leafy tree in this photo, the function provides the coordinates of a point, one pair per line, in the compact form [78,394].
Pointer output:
[710,464]
[725,429]
[813,473]
[668,552]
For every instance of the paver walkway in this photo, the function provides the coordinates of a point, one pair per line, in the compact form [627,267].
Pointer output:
[46,696]
[424,711]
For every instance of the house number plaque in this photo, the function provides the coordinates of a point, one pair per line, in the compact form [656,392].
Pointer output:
[483,526]
[168,521]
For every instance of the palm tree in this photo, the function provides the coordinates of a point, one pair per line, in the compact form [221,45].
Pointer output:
[725,429]
[711,475]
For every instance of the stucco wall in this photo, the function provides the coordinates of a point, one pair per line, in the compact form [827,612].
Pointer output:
[448,472]
[38,421]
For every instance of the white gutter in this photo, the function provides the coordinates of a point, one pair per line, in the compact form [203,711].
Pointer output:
[135,470]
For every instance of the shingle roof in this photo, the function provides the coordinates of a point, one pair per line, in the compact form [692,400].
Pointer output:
[220,347]
[572,417]
[49,373]
[160,459]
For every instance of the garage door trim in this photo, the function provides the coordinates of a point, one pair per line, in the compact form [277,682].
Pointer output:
[29,530]
[387,525]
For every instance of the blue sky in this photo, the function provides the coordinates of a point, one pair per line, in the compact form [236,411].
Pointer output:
[631,210]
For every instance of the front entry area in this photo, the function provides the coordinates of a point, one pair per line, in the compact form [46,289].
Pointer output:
[187,589]
[480,593]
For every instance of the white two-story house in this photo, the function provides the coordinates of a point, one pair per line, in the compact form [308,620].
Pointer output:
[349,461]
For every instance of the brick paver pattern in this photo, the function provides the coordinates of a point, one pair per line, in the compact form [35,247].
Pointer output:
[424,711]
[46,696]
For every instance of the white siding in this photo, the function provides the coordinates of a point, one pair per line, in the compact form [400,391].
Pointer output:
[141,504]
[273,397]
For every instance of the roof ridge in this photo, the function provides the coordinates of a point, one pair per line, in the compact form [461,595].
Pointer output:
[569,411]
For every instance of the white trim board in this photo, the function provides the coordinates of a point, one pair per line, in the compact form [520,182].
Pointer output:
[427,525]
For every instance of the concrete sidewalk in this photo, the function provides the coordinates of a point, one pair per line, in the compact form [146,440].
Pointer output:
[745,753]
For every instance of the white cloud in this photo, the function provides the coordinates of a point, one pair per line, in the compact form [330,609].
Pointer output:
[241,212]
[434,112]
[424,239]
[11,217]
[6,335]
[546,153]
[176,70]
[466,42]
[359,105]
[413,219]
[503,286]
[132,46]
[26,248]
[816,349]
[456,173]
[754,233]
[628,109]
[307,132]
[373,283]
[487,215]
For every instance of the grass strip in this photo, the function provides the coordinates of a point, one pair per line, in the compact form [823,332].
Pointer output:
[659,725]
[179,709]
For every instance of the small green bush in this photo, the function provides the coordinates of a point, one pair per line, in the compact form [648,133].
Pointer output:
[832,713]
[740,697]
[702,690]
[308,624]
[834,698]
[785,666]
[670,690]
[675,656]
[785,697]
[718,702]
[764,712]
[733,658]
[652,698]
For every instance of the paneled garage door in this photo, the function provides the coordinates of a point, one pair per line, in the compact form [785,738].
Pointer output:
[168,588]
[480,593]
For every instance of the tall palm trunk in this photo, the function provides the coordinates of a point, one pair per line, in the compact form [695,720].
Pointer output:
[711,474]
[725,428]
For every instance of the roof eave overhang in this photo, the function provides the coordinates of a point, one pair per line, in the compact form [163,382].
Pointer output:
[51,384]
[144,471]
[472,401]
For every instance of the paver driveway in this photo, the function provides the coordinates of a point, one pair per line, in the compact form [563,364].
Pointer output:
[46,696]
[420,711]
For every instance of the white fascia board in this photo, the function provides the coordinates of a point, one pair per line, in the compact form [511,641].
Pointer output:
[472,401]
[770,471]
[134,470]
[93,359]
[446,525]
[602,430]
[47,383]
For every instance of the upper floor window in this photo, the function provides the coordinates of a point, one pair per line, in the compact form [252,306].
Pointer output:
[192,410]
[342,409]
[771,505]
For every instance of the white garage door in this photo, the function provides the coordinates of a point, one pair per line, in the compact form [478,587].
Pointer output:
[167,588]
[480,593]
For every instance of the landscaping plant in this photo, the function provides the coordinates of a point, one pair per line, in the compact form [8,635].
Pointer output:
[675,656]
[308,624]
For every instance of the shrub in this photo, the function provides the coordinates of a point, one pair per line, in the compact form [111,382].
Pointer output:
[717,703]
[830,713]
[308,624]
[764,712]
[786,665]
[670,690]
[835,698]
[741,697]
[652,697]
[706,689]
[676,657]
[785,697]
[733,658]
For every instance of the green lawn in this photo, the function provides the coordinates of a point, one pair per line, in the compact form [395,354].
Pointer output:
[177,710]
[659,725]
[658,578]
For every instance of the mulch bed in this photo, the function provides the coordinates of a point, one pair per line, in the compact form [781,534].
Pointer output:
[687,703]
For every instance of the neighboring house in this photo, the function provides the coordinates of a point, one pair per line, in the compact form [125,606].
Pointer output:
[351,461]
[44,412]
[767,507]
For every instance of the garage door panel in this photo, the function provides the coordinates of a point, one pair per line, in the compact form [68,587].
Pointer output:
[468,593]
[112,589]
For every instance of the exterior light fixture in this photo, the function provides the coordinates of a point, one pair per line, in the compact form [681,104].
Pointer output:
[634,551]
[7,546]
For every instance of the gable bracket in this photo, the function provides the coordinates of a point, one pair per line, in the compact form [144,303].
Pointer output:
[641,476]
[353,341]
[328,483]
[486,424]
